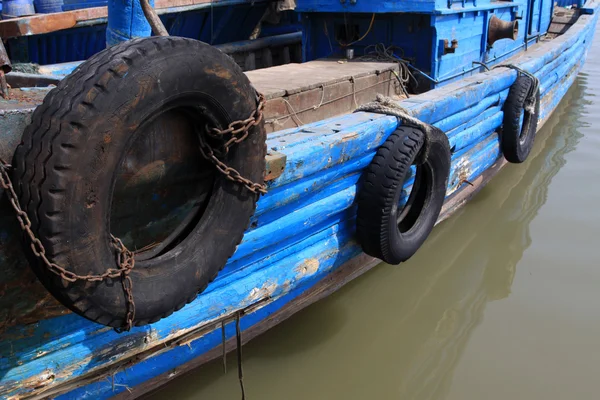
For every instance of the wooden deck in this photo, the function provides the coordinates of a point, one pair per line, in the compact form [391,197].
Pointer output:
[562,20]
[299,94]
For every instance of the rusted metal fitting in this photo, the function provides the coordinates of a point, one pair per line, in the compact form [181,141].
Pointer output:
[450,47]
[275,164]
[499,29]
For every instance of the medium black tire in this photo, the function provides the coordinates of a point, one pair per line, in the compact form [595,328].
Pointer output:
[384,231]
[517,141]
[66,166]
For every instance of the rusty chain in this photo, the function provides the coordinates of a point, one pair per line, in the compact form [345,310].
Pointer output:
[125,259]
[239,131]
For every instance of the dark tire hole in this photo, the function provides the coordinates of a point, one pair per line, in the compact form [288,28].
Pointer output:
[163,186]
[413,205]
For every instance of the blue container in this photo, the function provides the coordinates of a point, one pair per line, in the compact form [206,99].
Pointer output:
[126,21]
[17,8]
[48,6]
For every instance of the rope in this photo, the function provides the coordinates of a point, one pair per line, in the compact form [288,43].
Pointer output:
[354,91]
[287,117]
[224,346]
[382,53]
[238,337]
[530,102]
[294,113]
[387,106]
[322,98]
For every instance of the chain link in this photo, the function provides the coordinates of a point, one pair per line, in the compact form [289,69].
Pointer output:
[239,131]
[125,258]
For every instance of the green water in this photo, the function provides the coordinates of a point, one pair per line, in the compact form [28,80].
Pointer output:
[502,302]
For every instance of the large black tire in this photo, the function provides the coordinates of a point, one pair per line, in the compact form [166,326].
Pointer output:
[517,141]
[385,231]
[65,170]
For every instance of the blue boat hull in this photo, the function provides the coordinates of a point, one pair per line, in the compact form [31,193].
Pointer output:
[301,243]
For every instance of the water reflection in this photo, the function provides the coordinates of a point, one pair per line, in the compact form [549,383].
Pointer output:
[400,332]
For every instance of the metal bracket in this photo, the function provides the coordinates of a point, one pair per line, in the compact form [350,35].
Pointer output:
[275,164]
[450,48]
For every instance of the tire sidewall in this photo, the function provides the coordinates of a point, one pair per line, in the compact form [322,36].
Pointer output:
[162,284]
[403,245]
[517,140]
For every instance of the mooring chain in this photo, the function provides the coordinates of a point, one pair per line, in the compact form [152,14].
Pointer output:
[125,258]
[239,131]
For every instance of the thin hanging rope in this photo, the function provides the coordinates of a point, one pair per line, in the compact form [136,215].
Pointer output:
[238,337]
[224,346]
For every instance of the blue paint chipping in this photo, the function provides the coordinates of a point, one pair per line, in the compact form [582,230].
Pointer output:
[303,229]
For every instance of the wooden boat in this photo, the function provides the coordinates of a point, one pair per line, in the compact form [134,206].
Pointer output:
[301,243]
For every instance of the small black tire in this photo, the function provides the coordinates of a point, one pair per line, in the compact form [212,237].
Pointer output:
[66,167]
[516,140]
[383,230]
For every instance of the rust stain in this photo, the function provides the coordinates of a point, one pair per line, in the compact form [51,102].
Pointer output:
[220,72]
[121,69]
[149,173]
[461,174]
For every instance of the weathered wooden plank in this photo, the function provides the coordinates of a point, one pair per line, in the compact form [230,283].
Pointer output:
[344,142]
[475,133]
[566,19]
[558,29]
[330,99]
[560,72]
[455,121]
[294,78]
[483,115]
[44,23]
[306,190]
